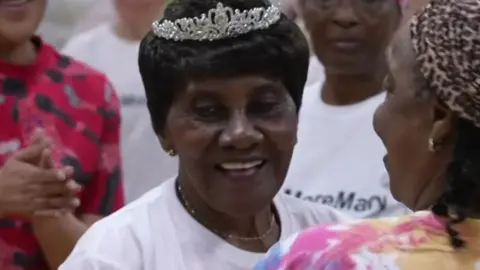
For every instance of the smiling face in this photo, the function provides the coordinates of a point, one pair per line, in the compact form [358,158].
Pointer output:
[405,122]
[347,34]
[19,19]
[234,138]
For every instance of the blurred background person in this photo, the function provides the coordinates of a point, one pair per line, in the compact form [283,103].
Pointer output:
[98,13]
[113,49]
[65,18]
[430,126]
[233,123]
[338,158]
[291,9]
[72,164]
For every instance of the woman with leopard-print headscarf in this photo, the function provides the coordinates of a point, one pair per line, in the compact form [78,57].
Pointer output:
[430,125]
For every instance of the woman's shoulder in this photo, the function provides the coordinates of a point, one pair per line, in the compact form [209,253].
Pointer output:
[125,233]
[308,212]
[354,242]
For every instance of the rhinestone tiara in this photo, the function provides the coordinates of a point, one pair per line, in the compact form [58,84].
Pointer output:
[219,23]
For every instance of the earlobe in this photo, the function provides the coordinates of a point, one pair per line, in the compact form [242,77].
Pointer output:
[166,143]
[442,128]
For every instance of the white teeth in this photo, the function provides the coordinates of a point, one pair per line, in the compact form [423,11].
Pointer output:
[240,165]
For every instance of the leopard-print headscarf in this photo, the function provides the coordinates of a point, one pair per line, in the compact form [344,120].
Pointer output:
[446,39]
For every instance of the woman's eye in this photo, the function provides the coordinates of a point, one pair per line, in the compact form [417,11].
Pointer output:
[208,111]
[263,107]
[265,103]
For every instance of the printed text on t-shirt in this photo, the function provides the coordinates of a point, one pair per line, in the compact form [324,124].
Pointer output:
[345,200]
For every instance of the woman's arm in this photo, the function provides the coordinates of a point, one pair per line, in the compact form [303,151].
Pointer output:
[100,197]
[58,235]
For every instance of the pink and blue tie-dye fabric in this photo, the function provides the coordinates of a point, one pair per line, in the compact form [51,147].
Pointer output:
[415,242]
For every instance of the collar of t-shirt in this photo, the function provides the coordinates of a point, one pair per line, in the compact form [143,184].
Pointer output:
[44,51]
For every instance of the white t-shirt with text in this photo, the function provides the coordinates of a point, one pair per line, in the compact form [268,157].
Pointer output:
[145,163]
[156,232]
[338,159]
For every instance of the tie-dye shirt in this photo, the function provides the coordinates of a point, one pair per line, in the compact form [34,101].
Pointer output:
[417,241]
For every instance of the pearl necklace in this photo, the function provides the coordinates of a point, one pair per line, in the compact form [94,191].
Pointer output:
[223,235]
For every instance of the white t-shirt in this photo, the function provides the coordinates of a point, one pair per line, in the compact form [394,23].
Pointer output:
[145,163]
[62,17]
[156,232]
[338,158]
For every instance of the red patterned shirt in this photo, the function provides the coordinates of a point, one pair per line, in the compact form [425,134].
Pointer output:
[79,111]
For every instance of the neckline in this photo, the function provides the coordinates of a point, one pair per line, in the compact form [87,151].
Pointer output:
[110,28]
[32,68]
[242,258]
[327,110]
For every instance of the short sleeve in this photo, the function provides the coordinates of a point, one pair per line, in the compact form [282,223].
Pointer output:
[104,195]
[108,244]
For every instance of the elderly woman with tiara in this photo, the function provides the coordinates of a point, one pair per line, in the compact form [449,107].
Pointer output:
[224,83]
[430,125]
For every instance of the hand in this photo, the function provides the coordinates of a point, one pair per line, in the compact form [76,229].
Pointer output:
[46,162]
[26,188]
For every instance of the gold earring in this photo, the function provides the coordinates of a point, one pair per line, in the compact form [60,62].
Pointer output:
[432,147]
[171,153]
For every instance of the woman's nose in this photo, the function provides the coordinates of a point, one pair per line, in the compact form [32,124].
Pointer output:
[240,133]
[344,15]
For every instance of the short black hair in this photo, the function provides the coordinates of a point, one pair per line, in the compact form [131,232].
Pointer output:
[166,66]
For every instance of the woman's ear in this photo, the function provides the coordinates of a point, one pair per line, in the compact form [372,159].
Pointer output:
[165,141]
[442,130]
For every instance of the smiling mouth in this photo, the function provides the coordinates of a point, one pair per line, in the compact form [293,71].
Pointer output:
[241,169]
[346,45]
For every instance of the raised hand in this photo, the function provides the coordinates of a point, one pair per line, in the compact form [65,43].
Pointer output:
[26,188]
[46,162]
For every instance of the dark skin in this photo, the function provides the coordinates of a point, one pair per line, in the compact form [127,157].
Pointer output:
[224,120]
[349,37]
[56,230]
[409,117]
[16,28]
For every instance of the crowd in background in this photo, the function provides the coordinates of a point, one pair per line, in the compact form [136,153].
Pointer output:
[119,112]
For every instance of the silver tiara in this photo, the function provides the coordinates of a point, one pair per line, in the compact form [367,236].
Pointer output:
[219,23]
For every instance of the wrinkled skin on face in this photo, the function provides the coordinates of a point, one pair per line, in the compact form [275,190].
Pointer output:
[408,118]
[218,124]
